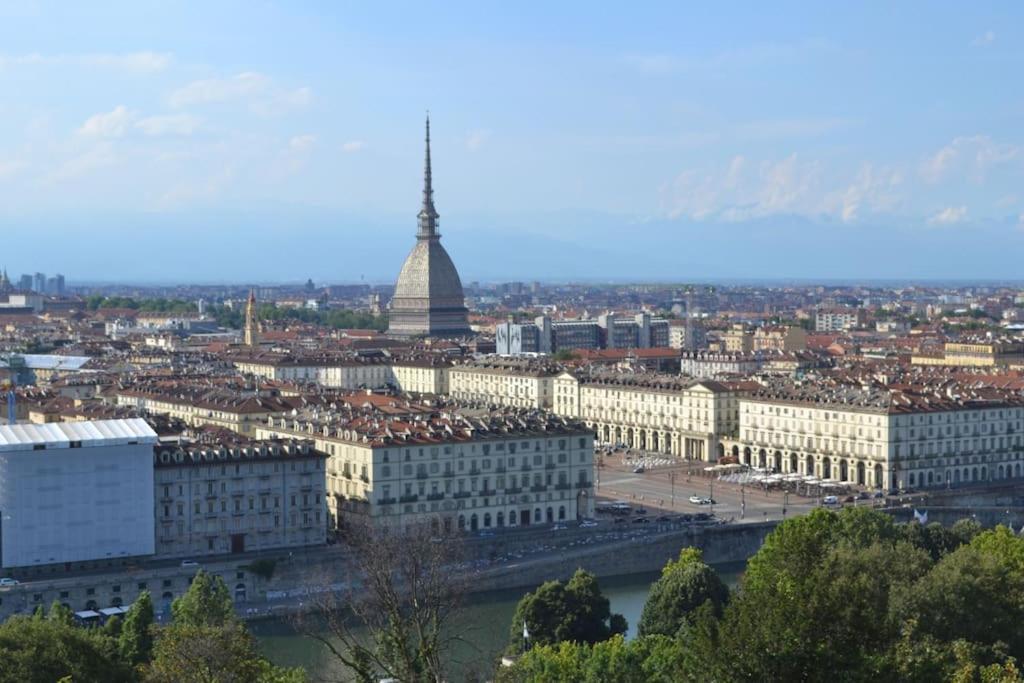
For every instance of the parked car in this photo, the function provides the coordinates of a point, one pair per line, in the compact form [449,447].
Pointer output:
[189,563]
[830,501]
[641,520]
[639,469]
[849,499]
[559,527]
[641,511]
[619,520]
[696,500]
[878,494]
[588,524]
[863,495]
[7,581]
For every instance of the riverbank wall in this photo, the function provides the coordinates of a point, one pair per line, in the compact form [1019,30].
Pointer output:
[720,544]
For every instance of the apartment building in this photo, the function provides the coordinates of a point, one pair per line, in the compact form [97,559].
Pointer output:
[198,406]
[882,437]
[717,364]
[513,382]
[780,338]
[234,497]
[454,471]
[426,374]
[673,415]
[838,319]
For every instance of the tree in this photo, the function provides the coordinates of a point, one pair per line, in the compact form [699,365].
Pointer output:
[685,584]
[576,611]
[398,615]
[816,600]
[61,613]
[202,653]
[45,650]
[650,659]
[136,640]
[207,602]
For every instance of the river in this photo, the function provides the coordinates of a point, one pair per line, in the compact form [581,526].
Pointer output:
[489,616]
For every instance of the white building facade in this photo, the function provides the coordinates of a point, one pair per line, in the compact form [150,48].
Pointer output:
[75,492]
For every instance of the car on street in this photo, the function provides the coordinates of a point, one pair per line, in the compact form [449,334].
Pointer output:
[559,527]
[641,511]
[619,520]
[486,534]
[830,501]
[641,520]
[7,581]
[664,518]
[878,494]
[696,500]
[189,563]
[863,495]
[639,469]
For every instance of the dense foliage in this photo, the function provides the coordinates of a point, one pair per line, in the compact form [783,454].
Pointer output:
[847,596]
[205,643]
[576,611]
[234,316]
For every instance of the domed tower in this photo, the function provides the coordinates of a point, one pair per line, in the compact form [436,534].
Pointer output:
[428,300]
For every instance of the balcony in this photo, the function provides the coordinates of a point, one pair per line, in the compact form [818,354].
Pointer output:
[421,475]
[549,466]
[538,489]
[462,494]
[448,474]
[514,490]
[435,496]
[489,492]
[474,472]
[411,498]
[562,487]
[584,484]
[386,501]
[525,468]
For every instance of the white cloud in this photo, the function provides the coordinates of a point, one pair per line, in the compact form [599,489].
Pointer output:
[353,146]
[949,216]
[142,62]
[476,138]
[301,143]
[99,156]
[168,124]
[745,190]
[974,155]
[873,189]
[9,168]
[112,124]
[985,39]
[259,91]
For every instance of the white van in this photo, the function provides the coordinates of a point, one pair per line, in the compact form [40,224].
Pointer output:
[830,501]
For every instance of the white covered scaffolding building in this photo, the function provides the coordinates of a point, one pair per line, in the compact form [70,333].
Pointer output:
[75,492]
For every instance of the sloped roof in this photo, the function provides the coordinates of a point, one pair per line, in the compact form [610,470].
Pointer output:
[90,433]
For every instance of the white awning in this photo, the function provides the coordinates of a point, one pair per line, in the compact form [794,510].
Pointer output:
[88,433]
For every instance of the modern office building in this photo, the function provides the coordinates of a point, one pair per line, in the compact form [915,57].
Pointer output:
[609,331]
[75,492]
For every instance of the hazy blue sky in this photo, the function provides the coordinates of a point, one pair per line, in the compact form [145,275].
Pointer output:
[279,140]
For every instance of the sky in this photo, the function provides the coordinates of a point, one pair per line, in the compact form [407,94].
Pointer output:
[274,141]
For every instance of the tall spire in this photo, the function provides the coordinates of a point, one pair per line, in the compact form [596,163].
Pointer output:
[428,214]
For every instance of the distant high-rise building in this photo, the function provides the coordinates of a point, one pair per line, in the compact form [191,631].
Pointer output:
[428,300]
[25,283]
[60,285]
[5,282]
[39,283]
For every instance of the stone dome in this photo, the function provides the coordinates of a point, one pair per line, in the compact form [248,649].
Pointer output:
[428,273]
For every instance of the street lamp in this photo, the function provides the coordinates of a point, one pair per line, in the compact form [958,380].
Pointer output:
[672,478]
[785,502]
[743,502]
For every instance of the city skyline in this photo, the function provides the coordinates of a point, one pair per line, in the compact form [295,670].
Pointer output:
[803,143]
